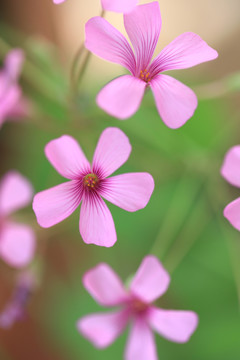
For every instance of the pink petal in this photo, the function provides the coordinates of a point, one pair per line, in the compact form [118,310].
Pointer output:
[67,157]
[122,97]
[143,26]
[175,101]
[102,329]
[120,6]
[151,280]
[103,40]
[174,325]
[58,1]
[130,192]
[141,343]
[13,63]
[15,192]
[105,286]
[231,166]
[96,223]
[8,101]
[185,51]
[112,151]
[56,204]
[232,213]
[17,244]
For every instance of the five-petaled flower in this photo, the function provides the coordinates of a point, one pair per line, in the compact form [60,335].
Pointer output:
[12,104]
[150,282]
[121,98]
[89,184]
[120,6]
[231,172]
[17,241]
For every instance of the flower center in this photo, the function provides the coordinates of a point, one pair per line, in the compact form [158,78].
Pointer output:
[145,75]
[90,181]
[138,306]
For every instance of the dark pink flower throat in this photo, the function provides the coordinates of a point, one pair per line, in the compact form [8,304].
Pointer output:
[145,75]
[90,181]
[138,306]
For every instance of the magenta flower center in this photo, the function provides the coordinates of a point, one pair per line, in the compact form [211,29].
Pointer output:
[90,181]
[138,306]
[145,75]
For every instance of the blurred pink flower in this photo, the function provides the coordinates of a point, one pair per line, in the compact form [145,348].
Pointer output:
[121,98]
[120,6]
[231,172]
[16,308]
[89,184]
[17,241]
[12,104]
[150,282]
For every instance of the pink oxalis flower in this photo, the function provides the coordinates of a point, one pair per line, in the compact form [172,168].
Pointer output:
[120,6]
[231,172]
[12,104]
[121,98]
[17,241]
[88,184]
[150,282]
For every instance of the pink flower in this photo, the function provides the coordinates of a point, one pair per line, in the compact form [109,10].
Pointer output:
[150,282]
[12,103]
[89,184]
[121,98]
[119,6]
[17,241]
[231,172]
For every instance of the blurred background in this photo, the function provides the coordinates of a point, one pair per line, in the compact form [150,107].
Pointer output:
[183,223]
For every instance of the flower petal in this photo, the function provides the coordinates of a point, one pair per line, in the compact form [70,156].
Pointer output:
[175,101]
[112,151]
[130,192]
[174,325]
[232,213]
[15,192]
[151,280]
[58,1]
[8,101]
[122,97]
[103,40]
[231,166]
[143,26]
[141,343]
[13,63]
[56,204]
[103,329]
[17,244]
[105,286]
[185,51]
[96,222]
[120,6]
[67,157]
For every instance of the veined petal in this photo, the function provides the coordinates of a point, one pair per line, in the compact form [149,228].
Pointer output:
[231,166]
[13,64]
[120,6]
[143,26]
[17,244]
[105,41]
[130,192]
[232,213]
[105,286]
[175,101]
[112,151]
[141,343]
[15,192]
[174,325]
[103,329]
[151,280]
[96,222]
[185,51]
[67,157]
[122,97]
[56,204]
